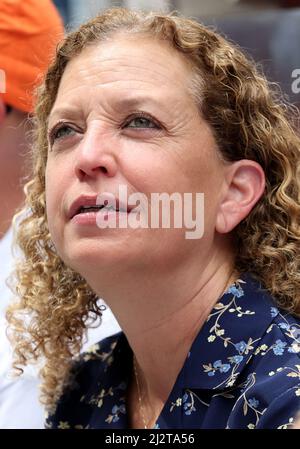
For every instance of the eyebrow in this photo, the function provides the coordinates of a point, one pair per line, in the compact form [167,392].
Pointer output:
[130,102]
[69,111]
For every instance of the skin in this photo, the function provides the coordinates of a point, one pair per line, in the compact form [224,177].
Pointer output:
[160,286]
[13,147]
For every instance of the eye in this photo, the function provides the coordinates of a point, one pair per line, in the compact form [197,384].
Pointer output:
[141,122]
[60,131]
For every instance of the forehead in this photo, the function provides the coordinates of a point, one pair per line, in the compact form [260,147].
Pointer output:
[128,65]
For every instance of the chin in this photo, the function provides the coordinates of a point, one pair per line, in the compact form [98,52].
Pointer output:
[90,256]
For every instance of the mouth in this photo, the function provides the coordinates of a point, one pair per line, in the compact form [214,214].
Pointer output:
[88,205]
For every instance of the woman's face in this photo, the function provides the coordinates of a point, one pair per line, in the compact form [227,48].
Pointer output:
[124,116]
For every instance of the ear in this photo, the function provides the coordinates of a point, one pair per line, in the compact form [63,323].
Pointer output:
[245,184]
[2,110]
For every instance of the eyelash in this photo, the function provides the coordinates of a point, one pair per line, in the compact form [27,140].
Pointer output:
[144,116]
[61,125]
[56,128]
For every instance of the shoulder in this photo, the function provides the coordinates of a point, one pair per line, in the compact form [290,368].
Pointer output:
[277,358]
[256,345]
[93,362]
[279,347]
[88,370]
[270,395]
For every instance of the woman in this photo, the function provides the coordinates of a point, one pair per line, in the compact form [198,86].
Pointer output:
[160,104]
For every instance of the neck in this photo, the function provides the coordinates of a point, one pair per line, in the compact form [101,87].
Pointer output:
[161,351]
[162,318]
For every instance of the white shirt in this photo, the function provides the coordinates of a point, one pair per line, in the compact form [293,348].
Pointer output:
[19,403]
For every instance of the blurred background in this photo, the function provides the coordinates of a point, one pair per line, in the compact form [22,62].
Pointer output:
[267,30]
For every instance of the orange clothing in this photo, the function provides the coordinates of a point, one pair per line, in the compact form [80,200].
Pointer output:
[29,33]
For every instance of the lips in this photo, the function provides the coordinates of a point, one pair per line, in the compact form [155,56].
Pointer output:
[86,203]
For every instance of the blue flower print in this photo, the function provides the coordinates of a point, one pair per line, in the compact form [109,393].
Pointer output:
[185,397]
[284,326]
[116,410]
[241,346]
[188,407]
[222,367]
[274,312]
[295,348]
[122,408]
[217,364]
[253,402]
[238,292]
[236,359]
[279,347]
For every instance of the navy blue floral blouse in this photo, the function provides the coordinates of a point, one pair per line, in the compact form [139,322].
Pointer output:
[242,371]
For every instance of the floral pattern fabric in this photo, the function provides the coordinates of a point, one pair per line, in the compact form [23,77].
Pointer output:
[242,372]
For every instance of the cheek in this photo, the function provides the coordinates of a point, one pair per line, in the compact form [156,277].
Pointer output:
[51,189]
[55,188]
[151,170]
[204,174]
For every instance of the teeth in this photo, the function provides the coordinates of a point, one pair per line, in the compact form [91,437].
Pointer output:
[84,209]
[89,208]
[96,208]
[108,208]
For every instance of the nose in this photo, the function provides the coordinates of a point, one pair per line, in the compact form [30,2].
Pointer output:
[95,155]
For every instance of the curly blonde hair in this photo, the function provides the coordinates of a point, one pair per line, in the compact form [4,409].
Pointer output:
[249,121]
